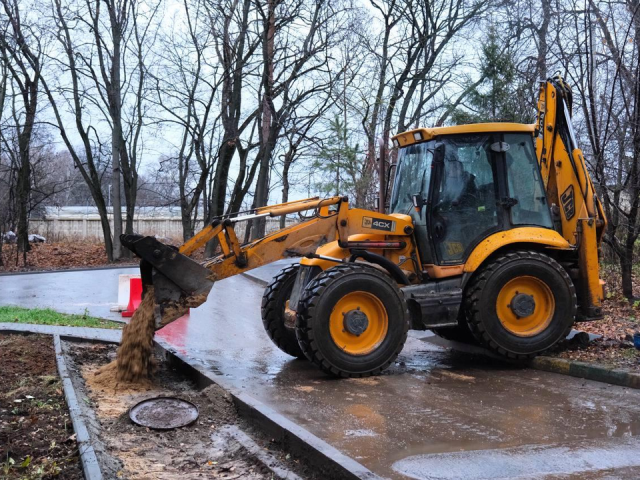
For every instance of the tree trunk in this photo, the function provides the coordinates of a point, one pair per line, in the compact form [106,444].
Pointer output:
[30,97]
[626,264]
[116,201]
[261,197]
[285,184]
[219,188]
[106,227]
[266,137]
[541,63]
[115,102]
[22,197]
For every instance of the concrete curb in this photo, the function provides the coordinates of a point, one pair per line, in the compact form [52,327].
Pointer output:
[328,459]
[91,334]
[261,455]
[88,457]
[255,278]
[87,269]
[587,371]
[573,368]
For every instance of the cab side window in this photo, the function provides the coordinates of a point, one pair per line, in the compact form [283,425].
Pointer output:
[525,184]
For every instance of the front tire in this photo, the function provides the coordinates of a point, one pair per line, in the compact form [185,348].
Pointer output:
[352,321]
[274,302]
[521,304]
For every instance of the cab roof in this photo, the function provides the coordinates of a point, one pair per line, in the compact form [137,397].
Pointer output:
[423,134]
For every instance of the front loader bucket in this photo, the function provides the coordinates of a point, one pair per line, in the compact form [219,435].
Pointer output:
[179,282]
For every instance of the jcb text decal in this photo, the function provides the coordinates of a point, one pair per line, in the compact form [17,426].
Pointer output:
[378,224]
[568,203]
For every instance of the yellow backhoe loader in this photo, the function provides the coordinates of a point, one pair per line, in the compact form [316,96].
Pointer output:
[492,236]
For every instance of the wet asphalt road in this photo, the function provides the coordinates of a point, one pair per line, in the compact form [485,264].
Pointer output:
[434,414]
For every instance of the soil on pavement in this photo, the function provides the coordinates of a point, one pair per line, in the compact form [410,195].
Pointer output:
[36,434]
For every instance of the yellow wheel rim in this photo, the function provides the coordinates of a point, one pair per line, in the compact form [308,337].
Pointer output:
[376,326]
[532,320]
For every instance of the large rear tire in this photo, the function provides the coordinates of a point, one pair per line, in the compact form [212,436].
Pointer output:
[274,302]
[521,304]
[352,321]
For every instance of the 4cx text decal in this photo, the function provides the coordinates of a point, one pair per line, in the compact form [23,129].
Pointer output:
[568,203]
[378,224]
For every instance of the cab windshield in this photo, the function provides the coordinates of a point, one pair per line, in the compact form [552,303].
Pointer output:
[412,176]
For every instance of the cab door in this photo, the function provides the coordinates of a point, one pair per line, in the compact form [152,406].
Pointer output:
[464,198]
[414,177]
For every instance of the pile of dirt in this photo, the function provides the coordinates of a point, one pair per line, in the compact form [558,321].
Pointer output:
[134,363]
[36,434]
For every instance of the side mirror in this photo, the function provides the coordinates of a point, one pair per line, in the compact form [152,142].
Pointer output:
[438,152]
[418,202]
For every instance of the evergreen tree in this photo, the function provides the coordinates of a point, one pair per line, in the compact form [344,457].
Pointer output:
[498,97]
[340,164]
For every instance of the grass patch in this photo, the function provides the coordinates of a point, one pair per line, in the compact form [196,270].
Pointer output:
[46,316]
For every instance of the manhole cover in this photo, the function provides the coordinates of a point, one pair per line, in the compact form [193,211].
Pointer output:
[164,413]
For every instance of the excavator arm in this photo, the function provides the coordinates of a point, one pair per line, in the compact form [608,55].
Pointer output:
[578,213]
[181,283]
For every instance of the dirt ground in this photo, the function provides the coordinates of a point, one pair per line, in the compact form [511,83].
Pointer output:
[36,435]
[622,319]
[67,255]
[128,451]
[58,256]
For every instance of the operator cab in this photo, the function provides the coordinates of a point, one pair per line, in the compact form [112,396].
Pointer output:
[459,188]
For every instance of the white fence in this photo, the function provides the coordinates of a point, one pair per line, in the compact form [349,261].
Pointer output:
[88,227]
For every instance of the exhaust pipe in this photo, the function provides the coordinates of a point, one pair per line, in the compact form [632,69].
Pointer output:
[179,282]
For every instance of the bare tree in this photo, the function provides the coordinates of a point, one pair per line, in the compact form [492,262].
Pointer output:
[414,64]
[112,29]
[74,97]
[295,71]
[186,91]
[235,42]
[598,47]
[6,167]
[92,79]
[21,51]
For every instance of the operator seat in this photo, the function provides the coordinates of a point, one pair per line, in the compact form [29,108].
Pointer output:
[460,188]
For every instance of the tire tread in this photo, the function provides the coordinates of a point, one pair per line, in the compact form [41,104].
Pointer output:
[271,315]
[308,303]
[475,289]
